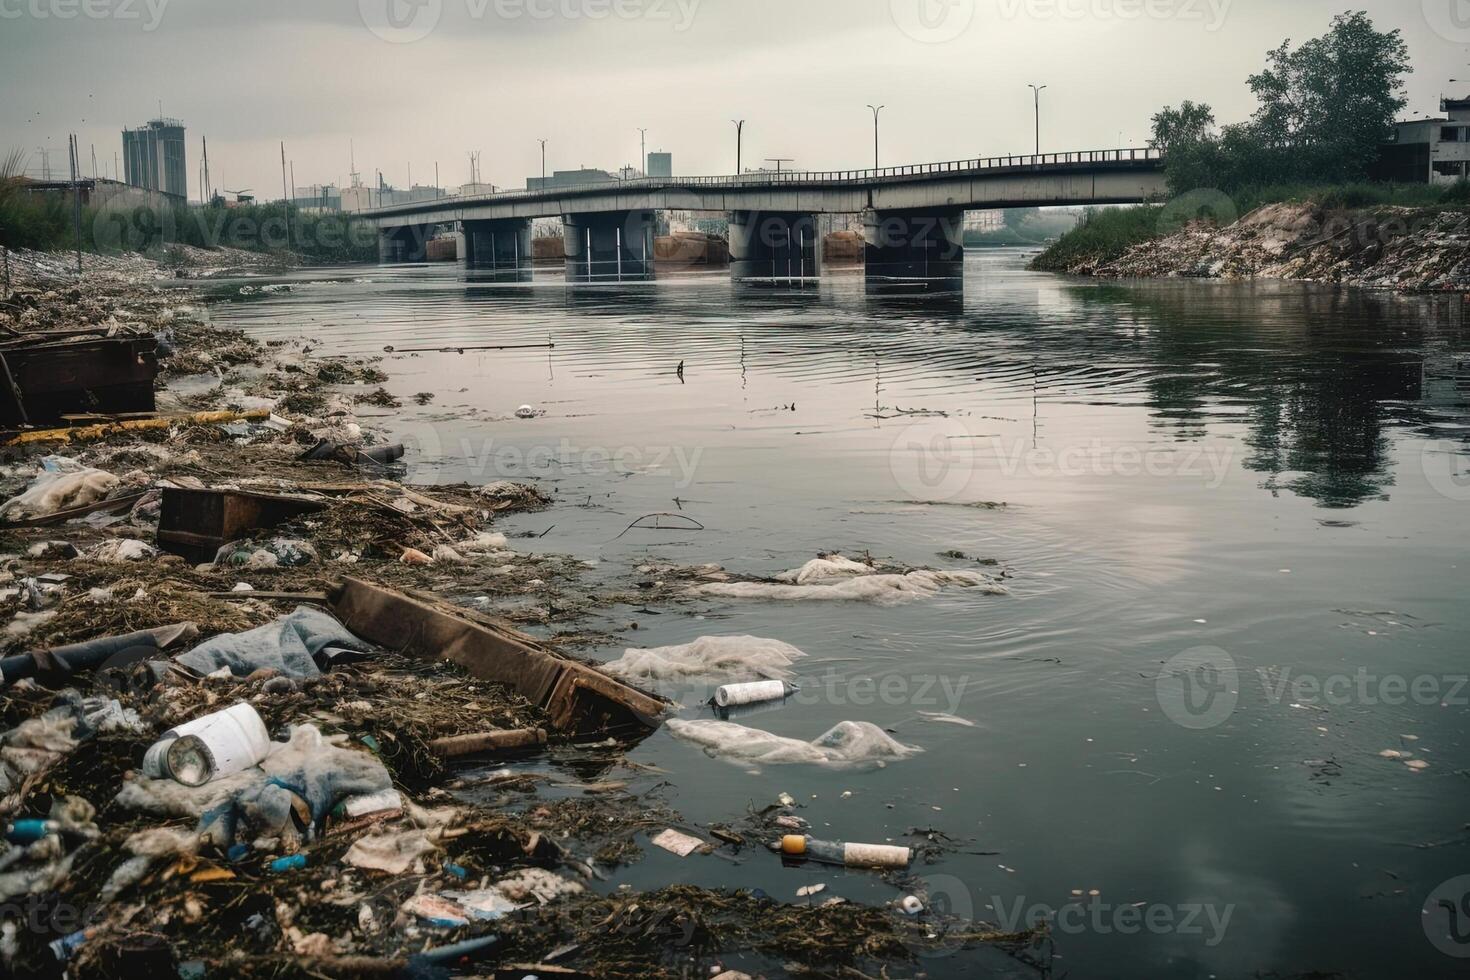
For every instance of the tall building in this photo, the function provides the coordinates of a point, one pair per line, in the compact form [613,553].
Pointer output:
[660,165]
[153,157]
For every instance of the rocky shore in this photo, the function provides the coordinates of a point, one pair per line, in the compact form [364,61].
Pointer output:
[1407,249]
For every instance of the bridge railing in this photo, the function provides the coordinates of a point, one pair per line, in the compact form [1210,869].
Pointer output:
[781,178]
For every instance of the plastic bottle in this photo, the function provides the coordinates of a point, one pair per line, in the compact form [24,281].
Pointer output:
[734,695]
[30,831]
[295,862]
[846,855]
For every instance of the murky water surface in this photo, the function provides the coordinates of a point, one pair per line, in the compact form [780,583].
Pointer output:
[1270,477]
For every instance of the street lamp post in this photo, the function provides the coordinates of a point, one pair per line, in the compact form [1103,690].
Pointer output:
[543,163]
[1036,93]
[876,109]
[739,136]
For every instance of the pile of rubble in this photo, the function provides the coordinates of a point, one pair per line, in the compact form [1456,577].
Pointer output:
[1381,248]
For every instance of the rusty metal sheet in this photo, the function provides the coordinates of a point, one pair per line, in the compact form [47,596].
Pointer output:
[197,523]
[580,699]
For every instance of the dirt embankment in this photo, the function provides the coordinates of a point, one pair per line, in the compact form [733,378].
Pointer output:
[1381,248]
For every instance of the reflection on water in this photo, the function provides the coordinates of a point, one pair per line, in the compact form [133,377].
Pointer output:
[1274,471]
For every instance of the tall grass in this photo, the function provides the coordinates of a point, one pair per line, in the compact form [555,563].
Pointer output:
[1105,234]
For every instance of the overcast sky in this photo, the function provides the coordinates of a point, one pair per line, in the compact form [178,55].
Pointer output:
[428,80]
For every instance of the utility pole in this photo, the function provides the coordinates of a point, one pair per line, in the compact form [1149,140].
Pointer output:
[739,138]
[1036,92]
[543,164]
[643,151]
[208,188]
[436,180]
[285,197]
[876,109]
[76,197]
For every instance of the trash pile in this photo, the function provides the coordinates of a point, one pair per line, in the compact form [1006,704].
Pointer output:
[1382,248]
[264,711]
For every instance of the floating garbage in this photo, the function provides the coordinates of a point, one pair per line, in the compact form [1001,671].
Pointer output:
[880,589]
[848,743]
[709,658]
[847,855]
[526,412]
[736,695]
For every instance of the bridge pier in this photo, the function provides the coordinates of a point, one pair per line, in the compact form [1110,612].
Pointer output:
[500,246]
[403,244]
[609,246]
[915,251]
[778,248]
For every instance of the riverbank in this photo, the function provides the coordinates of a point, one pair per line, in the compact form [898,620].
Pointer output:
[1399,248]
[504,859]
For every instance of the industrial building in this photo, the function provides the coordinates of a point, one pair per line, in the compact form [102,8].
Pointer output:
[154,158]
[1432,151]
[569,178]
[660,164]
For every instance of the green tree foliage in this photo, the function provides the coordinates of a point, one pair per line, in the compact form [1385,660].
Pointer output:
[1324,111]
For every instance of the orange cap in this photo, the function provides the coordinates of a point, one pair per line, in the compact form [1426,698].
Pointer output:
[793,844]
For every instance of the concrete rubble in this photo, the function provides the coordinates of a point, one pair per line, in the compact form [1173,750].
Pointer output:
[1397,248]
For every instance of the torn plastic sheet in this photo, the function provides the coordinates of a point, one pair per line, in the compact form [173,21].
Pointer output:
[289,645]
[65,661]
[883,590]
[62,484]
[709,658]
[824,569]
[37,744]
[846,744]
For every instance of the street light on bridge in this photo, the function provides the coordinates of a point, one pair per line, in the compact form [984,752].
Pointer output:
[543,163]
[739,135]
[1036,92]
[876,109]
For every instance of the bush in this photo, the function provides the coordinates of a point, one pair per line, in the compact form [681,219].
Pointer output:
[1104,235]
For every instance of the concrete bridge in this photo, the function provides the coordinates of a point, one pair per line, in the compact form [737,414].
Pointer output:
[913,216]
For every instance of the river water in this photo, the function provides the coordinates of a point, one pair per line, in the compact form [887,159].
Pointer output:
[1234,534]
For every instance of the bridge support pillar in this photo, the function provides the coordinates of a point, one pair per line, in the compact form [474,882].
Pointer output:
[609,246]
[409,243]
[915,251]
[502,248]
[779,248]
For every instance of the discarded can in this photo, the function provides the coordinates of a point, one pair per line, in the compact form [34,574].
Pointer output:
[30,831]
[732,695]
[847,855]
[296,862]
[66,947]
[220,744]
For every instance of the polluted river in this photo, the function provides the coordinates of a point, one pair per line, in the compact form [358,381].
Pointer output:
[1206,715]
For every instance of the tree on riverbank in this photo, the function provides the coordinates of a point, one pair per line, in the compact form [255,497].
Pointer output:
[1324,112]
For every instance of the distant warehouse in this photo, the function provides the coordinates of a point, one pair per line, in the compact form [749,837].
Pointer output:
[153,157]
